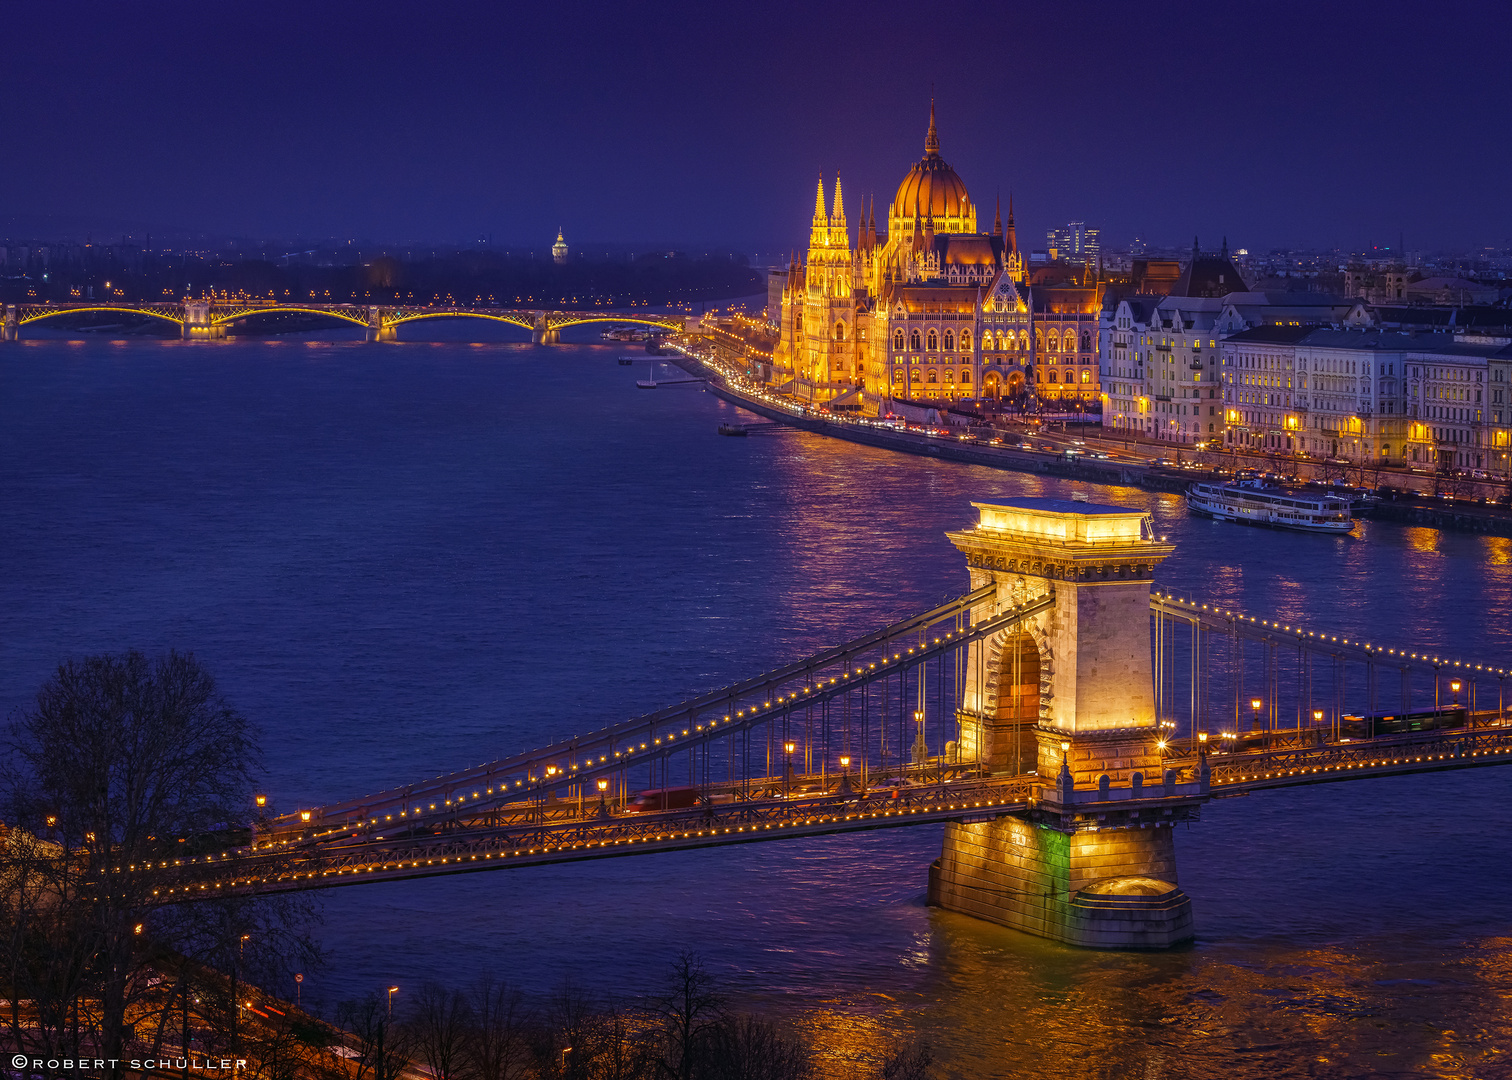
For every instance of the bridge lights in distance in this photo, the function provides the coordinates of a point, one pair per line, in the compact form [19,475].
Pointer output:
[845,761]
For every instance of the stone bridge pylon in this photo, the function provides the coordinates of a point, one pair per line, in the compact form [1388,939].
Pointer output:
[1069,695]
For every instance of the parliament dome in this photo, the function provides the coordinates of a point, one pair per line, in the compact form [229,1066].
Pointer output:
[932,190]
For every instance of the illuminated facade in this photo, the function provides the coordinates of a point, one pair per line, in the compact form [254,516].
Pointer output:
[932,309]
[559,250]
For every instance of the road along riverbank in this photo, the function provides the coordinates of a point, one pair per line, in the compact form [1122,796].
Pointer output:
[978,450]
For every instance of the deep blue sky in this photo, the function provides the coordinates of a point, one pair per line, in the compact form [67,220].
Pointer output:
[1303,124]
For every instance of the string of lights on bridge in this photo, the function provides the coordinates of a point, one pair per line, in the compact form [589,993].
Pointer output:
[1311,635]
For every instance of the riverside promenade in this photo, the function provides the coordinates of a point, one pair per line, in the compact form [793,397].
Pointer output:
[981,449]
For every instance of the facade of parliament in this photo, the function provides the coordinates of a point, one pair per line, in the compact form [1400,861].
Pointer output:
[933,310]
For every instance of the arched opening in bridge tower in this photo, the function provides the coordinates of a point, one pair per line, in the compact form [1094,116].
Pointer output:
[1011,746]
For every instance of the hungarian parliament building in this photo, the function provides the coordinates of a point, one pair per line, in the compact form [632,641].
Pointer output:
[933,309]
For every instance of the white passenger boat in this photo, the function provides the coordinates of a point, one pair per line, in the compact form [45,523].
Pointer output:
[1250,502]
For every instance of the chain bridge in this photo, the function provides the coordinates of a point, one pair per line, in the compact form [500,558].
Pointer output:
[1059,718]
[211,319]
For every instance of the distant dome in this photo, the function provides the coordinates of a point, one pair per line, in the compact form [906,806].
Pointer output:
[932,190]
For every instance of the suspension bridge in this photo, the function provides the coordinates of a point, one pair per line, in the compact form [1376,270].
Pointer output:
[212,319]
[1059,718]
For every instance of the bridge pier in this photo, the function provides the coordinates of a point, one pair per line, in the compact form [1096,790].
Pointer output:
[198,324]
[1069,697]
[376,331]
[543,334]
[10,328]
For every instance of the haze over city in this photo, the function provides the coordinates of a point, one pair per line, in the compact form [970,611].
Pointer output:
[1276,124]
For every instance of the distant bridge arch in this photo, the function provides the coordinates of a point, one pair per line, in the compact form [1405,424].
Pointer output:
[30,313]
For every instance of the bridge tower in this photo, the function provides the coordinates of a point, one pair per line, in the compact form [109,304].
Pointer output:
[10,328]
[198,324]
[1069,696]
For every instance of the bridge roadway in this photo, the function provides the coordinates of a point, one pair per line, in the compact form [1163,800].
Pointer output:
[528,834]
[209,319]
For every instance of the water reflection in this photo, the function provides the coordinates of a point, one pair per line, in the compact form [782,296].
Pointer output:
[403,560]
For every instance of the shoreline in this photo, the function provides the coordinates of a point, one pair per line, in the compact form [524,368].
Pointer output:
[1482,520]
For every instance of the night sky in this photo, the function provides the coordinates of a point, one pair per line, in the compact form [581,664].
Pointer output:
[1276,124]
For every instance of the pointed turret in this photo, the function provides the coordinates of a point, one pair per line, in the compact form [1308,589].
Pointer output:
[837,217]
[1225,247]
[820,220]
[931,140]
[997,218]
[1196,250]
[1010,238]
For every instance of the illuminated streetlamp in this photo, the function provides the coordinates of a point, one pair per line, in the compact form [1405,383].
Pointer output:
[1454,686]
[391,992]
[787,769]
[1255,704]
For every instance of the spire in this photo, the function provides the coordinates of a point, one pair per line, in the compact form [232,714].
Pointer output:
[819,203]
[1010,238]
[931,141]
[1195,249]
[1225,247]
[997,219]
[839,214]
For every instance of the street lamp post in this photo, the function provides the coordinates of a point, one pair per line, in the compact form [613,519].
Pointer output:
[603,788]
[391,992]
[1255,704]
[787,769]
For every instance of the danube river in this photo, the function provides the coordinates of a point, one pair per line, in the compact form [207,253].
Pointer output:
[404,559]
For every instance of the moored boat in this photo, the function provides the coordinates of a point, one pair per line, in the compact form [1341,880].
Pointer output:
[1250,502]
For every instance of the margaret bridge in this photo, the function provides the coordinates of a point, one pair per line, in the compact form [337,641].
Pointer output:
[212,319]
[1058,718]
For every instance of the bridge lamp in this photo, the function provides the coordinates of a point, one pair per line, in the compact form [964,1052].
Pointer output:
[1255,704]
[789,747]
[391,992]
[1454,685]
[304,815]
[262,800]
[1317,716]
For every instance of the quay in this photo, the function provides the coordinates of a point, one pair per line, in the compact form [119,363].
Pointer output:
[977,449]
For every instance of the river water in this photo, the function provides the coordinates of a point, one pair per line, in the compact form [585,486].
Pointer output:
[405,559]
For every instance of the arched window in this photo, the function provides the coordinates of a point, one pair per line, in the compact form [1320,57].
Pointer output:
[1086,341]
[913,340]
[1023,341]
[931,376]
[949,375]
[839,331]
[950,341]
[1086,375]
[898,339]
[897,374]
[1053,343]
[966,376]
[1070,341]
[965,340]
[915,376]
[934,340]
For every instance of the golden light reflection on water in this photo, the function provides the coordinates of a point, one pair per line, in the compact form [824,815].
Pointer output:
[1001,1004]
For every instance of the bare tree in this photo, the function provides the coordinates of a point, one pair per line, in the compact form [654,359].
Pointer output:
[438,1024]
[117,759]
[498,1046]
[382,1048]
[750,1048]
[689,1011]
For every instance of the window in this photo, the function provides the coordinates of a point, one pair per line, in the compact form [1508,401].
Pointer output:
[839,331]
[950,341]
[915,376]
[1086,375]
[965,340]
[934,341]
[966,376]
[898,339]
[949,376]
[931,376]
[1086,342]
[897,375]
[913,340]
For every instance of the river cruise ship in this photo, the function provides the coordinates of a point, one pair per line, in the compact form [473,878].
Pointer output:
[1250,502]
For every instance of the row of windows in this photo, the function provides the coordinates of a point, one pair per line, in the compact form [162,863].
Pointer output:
[1004,340]
[931,376]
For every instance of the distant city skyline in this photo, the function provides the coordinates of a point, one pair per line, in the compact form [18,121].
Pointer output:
[1346,125]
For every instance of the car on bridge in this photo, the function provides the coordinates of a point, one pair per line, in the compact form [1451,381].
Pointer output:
[676,798]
